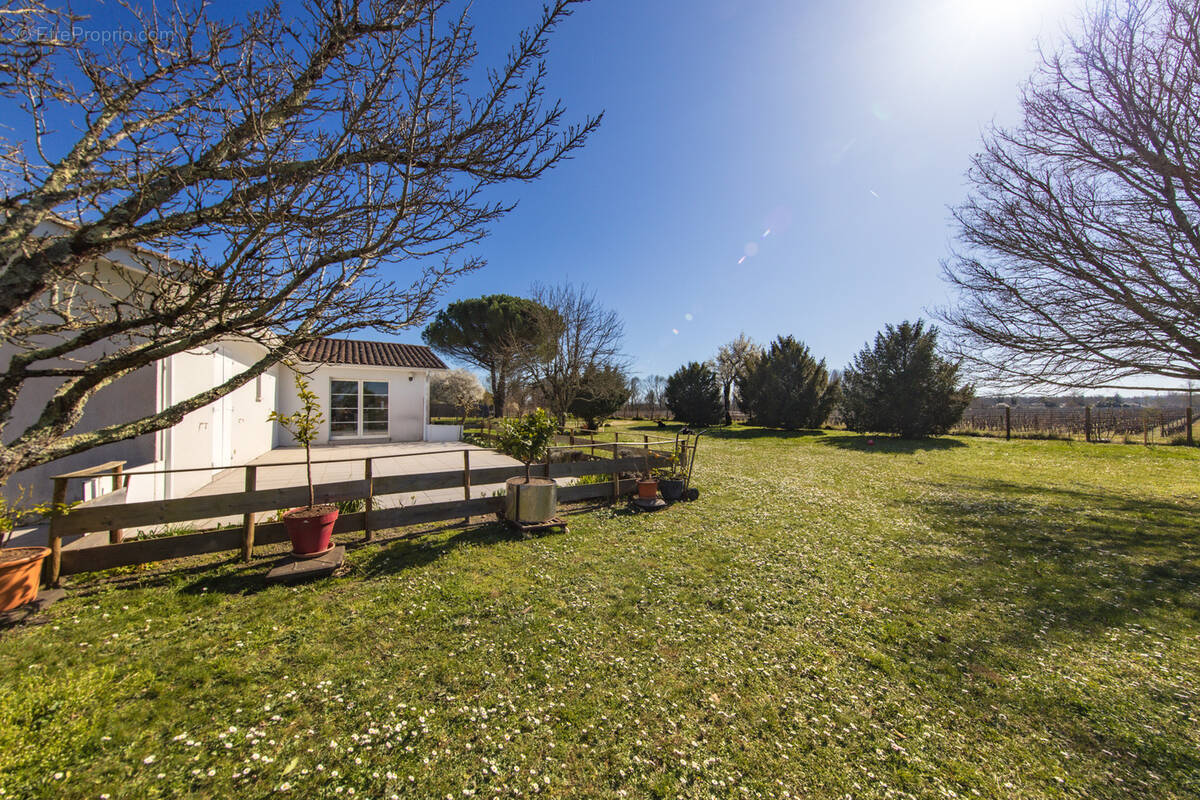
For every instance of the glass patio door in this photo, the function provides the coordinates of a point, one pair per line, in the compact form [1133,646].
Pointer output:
[358,409]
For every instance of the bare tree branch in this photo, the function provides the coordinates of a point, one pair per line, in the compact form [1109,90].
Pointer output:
[1078,262]
[588,335]
[276,179]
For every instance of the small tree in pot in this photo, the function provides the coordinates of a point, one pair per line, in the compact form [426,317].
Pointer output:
[528,439]
[310,528]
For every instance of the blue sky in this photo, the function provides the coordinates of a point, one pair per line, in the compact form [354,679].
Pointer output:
[767,166]
[842,128]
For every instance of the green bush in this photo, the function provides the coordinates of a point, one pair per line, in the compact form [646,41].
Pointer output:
[694,395]
[602,391]
[901,385]
[787,388]
[527,438]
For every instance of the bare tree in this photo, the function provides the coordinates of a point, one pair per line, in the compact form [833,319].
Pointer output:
[635,392]
[1079,255]
[588,335]
[731,363]
[289,163]
[655,386]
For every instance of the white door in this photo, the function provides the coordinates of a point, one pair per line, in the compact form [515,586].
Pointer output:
[222,412]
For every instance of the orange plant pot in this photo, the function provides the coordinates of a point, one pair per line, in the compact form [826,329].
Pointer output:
[20,569]
[647,490]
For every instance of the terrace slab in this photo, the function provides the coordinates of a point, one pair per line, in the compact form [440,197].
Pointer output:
[292,569]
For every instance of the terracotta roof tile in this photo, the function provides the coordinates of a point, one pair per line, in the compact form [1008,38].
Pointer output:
[373,354]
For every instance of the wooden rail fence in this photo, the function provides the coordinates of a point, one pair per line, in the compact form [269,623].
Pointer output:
[1087,422]
[107,515]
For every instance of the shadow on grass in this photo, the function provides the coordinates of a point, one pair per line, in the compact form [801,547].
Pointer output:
[412,552]
[890,444]
[1018,573]
[754,432]
[735,431]
[1064,558]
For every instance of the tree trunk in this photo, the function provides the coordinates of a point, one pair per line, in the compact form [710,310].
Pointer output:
[728,416]
[312,495]
[499,392]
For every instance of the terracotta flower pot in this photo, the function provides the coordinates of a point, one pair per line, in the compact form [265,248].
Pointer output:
[311,529]
[20,570]
[647,490]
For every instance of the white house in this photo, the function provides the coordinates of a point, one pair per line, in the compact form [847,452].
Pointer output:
[369,392]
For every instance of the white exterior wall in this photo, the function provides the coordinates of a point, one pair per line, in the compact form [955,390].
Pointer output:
[228,432]
[408,400]
[127,399]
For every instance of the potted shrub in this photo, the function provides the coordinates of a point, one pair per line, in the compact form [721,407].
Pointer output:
[20,567]
[647,485]
[310,528]
[670,480]
[527,439]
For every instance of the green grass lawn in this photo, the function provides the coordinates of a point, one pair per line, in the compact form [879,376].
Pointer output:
[955,618]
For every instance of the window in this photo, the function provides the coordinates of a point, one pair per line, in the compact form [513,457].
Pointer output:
[358,408]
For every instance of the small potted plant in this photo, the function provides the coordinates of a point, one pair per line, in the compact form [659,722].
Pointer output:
[670,480]
[310,528]
[527,439]
[20,567]
[647,485]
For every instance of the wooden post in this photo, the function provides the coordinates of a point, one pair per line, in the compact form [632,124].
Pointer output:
[467,482]
[369,500]
[1145,428]
[248,519]
[616,476]
[54,563]
[1007,422]
[1189,426]
[116,535]
[1087,423]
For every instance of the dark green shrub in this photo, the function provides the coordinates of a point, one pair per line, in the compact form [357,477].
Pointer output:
[694,394]
[901,385]
[602,390]
[786,387]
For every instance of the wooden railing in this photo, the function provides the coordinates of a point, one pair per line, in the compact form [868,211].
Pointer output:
[117,516]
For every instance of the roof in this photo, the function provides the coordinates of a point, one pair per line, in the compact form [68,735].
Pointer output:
[371,354]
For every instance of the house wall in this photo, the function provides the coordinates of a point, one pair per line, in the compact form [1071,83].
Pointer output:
[228,432]
[408,399]
[125,400]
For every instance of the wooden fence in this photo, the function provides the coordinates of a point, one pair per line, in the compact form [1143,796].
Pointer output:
[108,513]
[1088,423]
